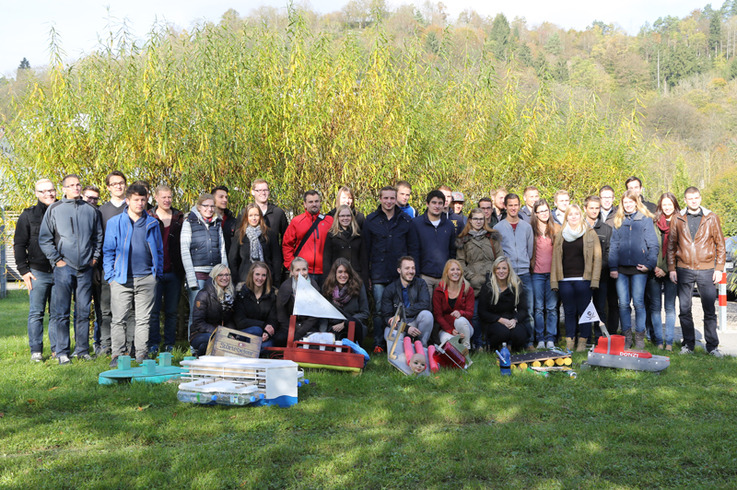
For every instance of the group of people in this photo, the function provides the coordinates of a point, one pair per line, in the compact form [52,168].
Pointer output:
[494,275]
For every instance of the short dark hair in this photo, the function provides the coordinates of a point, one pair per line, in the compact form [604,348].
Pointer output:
[435,193]
[403,258]
[91,188]
[311,192]
[486,199]
[223,188]
[115,173]
[137,189]
[387,188]
[509,197]
[70,176]
[691,190]
[403,183]
[632,179]
[591,199]
[606,188]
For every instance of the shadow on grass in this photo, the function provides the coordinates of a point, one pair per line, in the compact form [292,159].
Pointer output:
[380,429]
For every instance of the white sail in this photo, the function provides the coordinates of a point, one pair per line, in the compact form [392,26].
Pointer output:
[309,302]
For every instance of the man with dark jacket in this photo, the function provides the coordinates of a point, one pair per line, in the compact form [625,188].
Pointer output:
[71,238]
[696,254]
[433,240]
[412,292]
[134,259]
[169,288]
[306,234]
[274,216]
[116,184]
[592,208]
[386,233]
[35,268]
[220,193]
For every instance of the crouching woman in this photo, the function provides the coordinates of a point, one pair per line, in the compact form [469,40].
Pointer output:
[502,307]
[213,307]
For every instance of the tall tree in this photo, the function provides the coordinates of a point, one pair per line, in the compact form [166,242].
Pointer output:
[24,64]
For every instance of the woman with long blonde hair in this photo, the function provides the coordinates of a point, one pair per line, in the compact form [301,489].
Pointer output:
[503,307]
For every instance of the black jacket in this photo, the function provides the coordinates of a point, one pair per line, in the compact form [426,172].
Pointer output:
[348,247]
[252,312]
[28,254]
[386,240]
[229,222]
[504,307]
[605,234]
[419,299]
[239,256]
[208,313]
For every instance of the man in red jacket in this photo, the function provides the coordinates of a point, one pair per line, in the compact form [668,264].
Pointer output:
[305,235]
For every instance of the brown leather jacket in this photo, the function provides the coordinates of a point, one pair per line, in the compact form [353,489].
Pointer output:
[705,251]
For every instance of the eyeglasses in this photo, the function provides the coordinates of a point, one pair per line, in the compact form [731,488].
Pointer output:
[543,211]
[207,205]
[345,216]
[223,275]
[46,191]
[117,184]
[91,198]
[478,219]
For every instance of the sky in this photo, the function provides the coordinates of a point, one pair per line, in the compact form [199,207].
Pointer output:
[25,25]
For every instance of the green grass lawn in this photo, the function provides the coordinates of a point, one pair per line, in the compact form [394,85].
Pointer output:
[607,428]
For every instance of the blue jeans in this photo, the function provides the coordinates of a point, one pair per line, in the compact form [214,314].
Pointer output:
[167,291]
[546,308]
[708,293]
[657,286]
[529,320]
[575,296]
[378,291]
[632,287]
[39,295]
[68,281]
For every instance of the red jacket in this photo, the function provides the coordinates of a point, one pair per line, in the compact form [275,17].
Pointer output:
[313,247]
[441,309]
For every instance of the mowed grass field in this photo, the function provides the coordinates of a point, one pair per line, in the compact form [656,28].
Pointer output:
[474,429]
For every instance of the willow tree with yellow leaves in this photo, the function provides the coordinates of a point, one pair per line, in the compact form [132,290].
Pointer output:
[303,108]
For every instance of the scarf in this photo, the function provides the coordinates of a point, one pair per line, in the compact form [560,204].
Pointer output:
[569,235]
[477,233]
[664,227]
[257,252]
[341,296]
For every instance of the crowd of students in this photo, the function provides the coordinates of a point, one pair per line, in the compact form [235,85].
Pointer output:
[496,274]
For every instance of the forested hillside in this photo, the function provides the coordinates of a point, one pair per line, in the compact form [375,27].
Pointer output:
[368,95]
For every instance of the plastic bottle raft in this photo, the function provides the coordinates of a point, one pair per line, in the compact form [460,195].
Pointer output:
[548,358]
[610,352]
[216,380]
[149,372]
